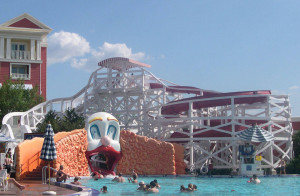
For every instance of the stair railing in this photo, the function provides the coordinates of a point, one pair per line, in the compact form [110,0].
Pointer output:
[44,173]
[30,164]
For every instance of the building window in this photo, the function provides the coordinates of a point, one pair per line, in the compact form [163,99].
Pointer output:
[20,71]
[19,51]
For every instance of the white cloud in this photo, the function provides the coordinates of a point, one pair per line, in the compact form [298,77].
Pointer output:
[65,45]
[73,48]
[107,50]
[294,87]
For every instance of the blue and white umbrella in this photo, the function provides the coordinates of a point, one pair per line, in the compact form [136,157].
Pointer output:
[255,134]
[48,152]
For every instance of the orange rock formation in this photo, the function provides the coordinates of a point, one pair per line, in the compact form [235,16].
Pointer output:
[145,155]
[71,154]
[149,156]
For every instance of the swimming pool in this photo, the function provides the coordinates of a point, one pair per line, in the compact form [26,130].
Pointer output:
[206,186]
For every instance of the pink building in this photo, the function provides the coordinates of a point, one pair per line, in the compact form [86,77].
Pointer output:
[23,52]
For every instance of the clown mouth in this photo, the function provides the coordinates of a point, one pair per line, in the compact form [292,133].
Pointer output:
[103,158]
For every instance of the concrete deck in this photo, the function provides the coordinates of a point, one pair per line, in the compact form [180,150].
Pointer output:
[35,188]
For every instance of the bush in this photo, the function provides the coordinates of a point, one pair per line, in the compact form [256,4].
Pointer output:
[221,172]
[294,166]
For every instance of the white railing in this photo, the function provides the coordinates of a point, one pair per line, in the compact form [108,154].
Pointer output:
[20,76]
[18,54]
[35,115]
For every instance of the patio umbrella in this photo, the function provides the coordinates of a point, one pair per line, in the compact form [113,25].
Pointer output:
[48,152]
[255,134]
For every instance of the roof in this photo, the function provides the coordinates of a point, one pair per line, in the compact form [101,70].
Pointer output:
[25,22]
[117,63]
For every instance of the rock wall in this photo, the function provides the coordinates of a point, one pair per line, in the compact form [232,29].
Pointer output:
[71,153]
[179,159]
[146,155]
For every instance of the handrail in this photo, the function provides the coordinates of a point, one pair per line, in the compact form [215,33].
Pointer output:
[44,174]
[26,166]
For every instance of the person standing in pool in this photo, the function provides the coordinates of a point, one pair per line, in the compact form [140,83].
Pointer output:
[134,173]
[255,179]
[282,166]
[133,179]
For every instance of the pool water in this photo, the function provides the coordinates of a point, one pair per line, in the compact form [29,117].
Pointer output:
[206,186]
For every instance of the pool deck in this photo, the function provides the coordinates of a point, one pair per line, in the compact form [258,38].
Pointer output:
[35,188]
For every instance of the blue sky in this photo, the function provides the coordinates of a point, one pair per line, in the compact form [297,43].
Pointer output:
[217,45]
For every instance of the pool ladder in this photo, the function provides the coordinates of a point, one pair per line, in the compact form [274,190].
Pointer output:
[44,173]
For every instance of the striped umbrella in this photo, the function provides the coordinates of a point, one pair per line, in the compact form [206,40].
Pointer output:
[48,152]
[255,134]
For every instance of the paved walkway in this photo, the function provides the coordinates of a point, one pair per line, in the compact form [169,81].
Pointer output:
[35,188]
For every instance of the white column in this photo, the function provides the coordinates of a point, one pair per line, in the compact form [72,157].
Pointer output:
[8,48]
[1,47]
[190,114]
[38,50]
[32,49]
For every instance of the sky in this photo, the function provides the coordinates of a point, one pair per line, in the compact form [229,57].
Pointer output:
[224,46]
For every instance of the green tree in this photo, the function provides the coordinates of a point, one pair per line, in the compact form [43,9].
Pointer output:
[51,118]
[15,98]
[71,120]
[68,122]
[296,144]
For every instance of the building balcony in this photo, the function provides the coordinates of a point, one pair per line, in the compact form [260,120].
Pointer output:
[18,76]
[20,55]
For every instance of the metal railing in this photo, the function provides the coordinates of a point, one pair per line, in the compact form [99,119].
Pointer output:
[44,173]
[29,163]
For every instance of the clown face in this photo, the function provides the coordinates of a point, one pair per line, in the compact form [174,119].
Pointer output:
[103,133]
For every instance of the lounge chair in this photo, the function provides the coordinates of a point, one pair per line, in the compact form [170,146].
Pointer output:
[3,180]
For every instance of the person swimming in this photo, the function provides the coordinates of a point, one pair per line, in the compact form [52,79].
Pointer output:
[119,178]
[142,186]
[191,187]
[153,188]
[103,189]
[133,179]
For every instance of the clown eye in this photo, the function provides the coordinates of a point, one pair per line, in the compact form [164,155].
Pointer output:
[111,132]
[95,133]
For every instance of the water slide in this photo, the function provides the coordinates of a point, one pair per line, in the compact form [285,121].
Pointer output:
[207,99]
[213,100]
